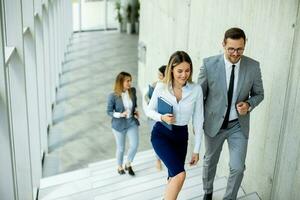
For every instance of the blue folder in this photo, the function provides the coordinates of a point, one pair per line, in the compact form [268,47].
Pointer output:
[164,107]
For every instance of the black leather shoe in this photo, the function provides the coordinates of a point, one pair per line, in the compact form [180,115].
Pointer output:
[130,171]
[207,196]
[121,171]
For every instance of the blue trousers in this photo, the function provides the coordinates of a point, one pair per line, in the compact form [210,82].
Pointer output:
[133,136]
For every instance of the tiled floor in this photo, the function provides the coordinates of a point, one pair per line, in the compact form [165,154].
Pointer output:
[81,131]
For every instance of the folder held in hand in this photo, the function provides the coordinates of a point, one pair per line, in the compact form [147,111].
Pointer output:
[164,107]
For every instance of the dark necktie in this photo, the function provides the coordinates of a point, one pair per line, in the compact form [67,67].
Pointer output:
[229,98]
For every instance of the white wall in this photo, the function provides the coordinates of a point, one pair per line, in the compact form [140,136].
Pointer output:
[197,26]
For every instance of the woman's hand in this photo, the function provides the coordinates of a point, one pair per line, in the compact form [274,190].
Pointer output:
[194,159]
[124,114]
[168,118]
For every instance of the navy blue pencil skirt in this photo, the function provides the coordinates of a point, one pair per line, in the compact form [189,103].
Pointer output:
[170,146]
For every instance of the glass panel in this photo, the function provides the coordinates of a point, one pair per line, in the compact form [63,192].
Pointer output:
[75,7]
[94,15]
[111,15]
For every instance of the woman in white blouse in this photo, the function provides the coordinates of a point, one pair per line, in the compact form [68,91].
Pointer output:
[121,106]
[186,98]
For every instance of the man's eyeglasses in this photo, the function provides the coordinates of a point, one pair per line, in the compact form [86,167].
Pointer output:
[232,50]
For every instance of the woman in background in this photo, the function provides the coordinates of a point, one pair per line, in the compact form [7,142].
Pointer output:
[187,101]
[146,99]
[121,107]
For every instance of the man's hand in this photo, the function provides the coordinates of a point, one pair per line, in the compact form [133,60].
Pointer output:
[168,118]
[194,159]
[137,114]
[242,108]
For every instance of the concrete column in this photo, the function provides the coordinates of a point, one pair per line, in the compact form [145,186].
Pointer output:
[32,92]
[7,179]
[41,77]
[46,37]
[17,100]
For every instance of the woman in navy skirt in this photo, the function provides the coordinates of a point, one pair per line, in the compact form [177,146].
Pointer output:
[186,98]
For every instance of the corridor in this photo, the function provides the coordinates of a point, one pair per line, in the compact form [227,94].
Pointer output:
[81,131]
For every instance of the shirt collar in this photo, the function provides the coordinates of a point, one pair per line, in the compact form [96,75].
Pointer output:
[187,86]
[228,64]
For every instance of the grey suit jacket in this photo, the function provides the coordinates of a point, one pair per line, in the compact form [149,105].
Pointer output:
[115,104]
[212,78]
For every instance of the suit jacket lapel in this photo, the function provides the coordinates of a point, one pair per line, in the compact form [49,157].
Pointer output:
[120,101]
[241,79]
[222,75]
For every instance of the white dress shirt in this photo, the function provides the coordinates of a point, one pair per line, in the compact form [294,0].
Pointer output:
[228,66]
[127,102]
[191,105]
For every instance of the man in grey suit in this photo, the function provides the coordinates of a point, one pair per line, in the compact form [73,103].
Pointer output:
[232,88]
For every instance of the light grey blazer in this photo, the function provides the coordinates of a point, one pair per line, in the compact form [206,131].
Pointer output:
[212,78]
[115,104]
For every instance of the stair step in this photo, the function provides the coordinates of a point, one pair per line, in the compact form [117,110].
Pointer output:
[141,184]
[219,193]
[80,190]
[192,188]
[101,181]
[64,178]
[112,162]
[90,180]
[250,196]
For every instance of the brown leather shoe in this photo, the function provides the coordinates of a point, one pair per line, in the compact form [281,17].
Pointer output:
[130,171]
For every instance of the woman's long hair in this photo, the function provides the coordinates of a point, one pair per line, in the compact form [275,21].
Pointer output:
[118,87]
[175,59]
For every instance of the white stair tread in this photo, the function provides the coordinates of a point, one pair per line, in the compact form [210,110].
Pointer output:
[84,187]
[76,185]
[101,181]
[64,178]
[142,185]
[251,196]
[139,155]
[219,194]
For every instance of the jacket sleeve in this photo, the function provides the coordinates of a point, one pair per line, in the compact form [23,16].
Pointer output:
[257,90]
[110,105]
[202,80]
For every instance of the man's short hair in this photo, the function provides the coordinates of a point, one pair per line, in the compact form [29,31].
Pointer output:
[234,33]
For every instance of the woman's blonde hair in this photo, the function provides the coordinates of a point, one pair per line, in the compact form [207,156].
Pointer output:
[118,87]
[175,59]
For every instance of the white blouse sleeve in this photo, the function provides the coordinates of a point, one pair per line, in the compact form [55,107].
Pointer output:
[152,106]
[198,119]
[117,115]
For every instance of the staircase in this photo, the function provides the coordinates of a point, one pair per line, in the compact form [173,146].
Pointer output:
[100,181]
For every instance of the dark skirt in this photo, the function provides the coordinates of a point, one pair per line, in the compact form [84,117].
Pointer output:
[170,146]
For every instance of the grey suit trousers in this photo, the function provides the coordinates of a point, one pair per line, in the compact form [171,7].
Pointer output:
[237,145]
